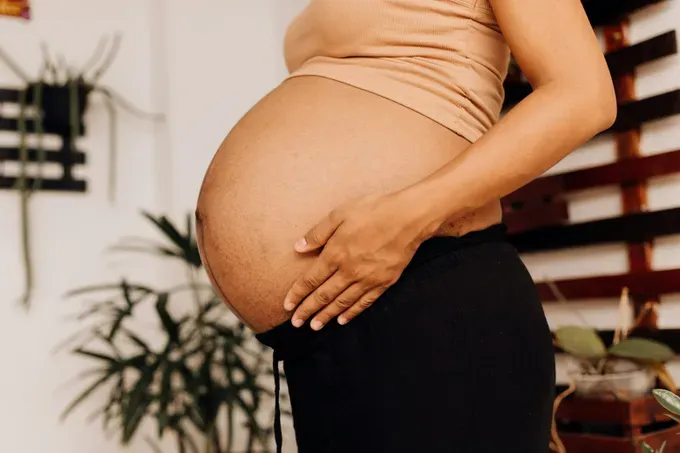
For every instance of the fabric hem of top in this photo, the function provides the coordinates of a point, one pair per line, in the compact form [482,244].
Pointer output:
[453,123]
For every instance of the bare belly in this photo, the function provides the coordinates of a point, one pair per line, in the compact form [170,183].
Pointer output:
[307,147]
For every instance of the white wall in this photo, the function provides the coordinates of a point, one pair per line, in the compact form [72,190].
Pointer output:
[224,58]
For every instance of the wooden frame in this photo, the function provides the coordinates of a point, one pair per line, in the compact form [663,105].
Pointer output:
[538,220]
[604,12]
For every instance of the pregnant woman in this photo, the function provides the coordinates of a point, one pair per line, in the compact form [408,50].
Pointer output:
[352,218]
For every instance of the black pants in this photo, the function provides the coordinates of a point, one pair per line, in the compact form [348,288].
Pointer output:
[455,357]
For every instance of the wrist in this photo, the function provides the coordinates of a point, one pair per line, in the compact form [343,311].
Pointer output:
[425,214]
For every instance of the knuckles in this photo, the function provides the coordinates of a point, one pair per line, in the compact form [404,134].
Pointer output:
[323,298]
[343,303]
[309,282]
[365,303]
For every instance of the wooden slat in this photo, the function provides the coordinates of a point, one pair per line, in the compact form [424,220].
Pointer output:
[620,62]
[541,188]
[639,412]
[12,124]
[637,227]
[635,113]
[603,287]
[624,172]
[47,184]
[626,59]
[603,12]
[9,95]
[670,436]
[592,443]
[536,217]
[12,154]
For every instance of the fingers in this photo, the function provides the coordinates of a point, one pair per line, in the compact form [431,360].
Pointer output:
[321,271]
[319,234]
[361,305]
[320,298]
[341,303]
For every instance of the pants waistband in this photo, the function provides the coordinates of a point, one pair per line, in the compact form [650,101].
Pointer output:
[289,341]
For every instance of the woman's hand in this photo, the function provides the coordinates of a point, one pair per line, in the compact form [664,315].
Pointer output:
[366,246]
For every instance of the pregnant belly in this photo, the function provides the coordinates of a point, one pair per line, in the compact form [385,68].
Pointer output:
[307,147]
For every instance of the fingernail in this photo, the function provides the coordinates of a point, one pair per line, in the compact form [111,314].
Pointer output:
[316,325]
[301,244]
[342,320]
[297,322]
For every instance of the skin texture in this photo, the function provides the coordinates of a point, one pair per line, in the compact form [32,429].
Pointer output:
[308,147]
[366,244]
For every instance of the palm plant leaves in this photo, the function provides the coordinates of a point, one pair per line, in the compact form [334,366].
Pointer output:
[137,403]
[204,365]
[184,245]
[106,375]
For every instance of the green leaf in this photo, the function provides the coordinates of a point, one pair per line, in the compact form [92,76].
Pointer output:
[113,406]
[118,318]
[137,340]
[138,362]
[646,448]
[165,397]
[663,447]
[171,327]
[581,342]
[668,400]
[643,350]
[107,287]
[207,397]
[96,355]
[138,403]
[185,243]
[87,392]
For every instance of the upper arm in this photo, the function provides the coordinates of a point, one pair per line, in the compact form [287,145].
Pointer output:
[552,40]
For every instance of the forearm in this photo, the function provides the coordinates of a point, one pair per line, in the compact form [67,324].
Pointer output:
[535,135]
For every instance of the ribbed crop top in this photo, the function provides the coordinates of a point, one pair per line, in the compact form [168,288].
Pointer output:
[445,59]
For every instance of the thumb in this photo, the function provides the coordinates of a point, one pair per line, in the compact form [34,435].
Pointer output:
[319,234]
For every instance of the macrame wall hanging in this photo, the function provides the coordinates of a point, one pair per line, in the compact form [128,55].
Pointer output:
[54,103]
[15,8]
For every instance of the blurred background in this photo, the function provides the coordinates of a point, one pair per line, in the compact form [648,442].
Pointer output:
[182,76]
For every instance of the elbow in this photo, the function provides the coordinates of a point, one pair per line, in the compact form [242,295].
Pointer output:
[607,106]
[601,102]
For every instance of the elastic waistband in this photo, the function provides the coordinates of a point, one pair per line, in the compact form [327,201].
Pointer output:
[289,341]
[445,245]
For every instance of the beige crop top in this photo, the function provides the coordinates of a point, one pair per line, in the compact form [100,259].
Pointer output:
[445,59]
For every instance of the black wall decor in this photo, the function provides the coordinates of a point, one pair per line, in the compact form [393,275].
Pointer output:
[54,103]
[54,114]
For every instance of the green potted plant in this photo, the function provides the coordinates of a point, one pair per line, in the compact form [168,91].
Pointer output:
[625,370]
[196,378]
